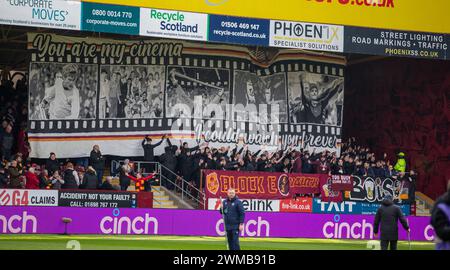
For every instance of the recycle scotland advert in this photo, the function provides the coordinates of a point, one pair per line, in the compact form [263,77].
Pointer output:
[173,24]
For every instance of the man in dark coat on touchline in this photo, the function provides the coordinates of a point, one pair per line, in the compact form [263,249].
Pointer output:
[234,214]
[388,215]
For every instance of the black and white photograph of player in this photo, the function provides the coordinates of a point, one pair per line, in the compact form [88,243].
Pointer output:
[62,91]
[186,85]
[131,91]
[249,88]
[315,98]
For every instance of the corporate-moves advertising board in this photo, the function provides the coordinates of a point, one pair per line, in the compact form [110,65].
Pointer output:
[48,14]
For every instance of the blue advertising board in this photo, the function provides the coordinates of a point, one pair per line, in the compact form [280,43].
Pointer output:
[344,207]
[351,207]
[371,208]
[239,30]
[110,18]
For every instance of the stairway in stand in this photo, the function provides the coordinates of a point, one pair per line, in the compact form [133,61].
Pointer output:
[161,200]
[423,204]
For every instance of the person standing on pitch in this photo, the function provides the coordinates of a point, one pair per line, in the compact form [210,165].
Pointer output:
[388,215]
[233,212]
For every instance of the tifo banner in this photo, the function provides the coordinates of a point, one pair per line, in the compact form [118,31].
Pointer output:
[97,199]
[371,189]
[114,92]
[48,14]
[261,185]
[341,182]
[28,197]
[327,191]
[108,221]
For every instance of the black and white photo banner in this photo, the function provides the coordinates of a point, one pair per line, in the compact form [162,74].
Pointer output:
[113,93]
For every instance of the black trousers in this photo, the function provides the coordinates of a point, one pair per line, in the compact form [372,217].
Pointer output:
[386,243]
[148,168]
[233,239]
[169,176]
[124,187]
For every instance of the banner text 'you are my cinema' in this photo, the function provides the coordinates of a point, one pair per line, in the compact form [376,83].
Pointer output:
[115,92]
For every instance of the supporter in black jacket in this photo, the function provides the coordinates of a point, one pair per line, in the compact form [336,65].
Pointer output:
[90,179]
[349,166]
[149,152]
[71,179]
[149,148]
[106,185]
[284,166]
[125,170]
[199,164]
[185,147]
[210,163]
[221,164]
[3,178]
[44,180]
[52,164]
[388,216]
[169,162]
[248,167]
[185,164]
[306,164]
[261,163]
[97,161]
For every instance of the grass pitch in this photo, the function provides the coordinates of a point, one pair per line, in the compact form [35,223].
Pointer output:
[97,242]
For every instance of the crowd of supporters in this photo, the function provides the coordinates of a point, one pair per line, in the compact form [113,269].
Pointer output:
[54,174]
[178,162]
[188,162]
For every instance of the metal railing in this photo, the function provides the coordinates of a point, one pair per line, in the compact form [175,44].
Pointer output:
[167,178]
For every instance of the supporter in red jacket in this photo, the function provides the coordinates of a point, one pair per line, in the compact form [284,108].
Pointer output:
[140,181]
[32,179]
